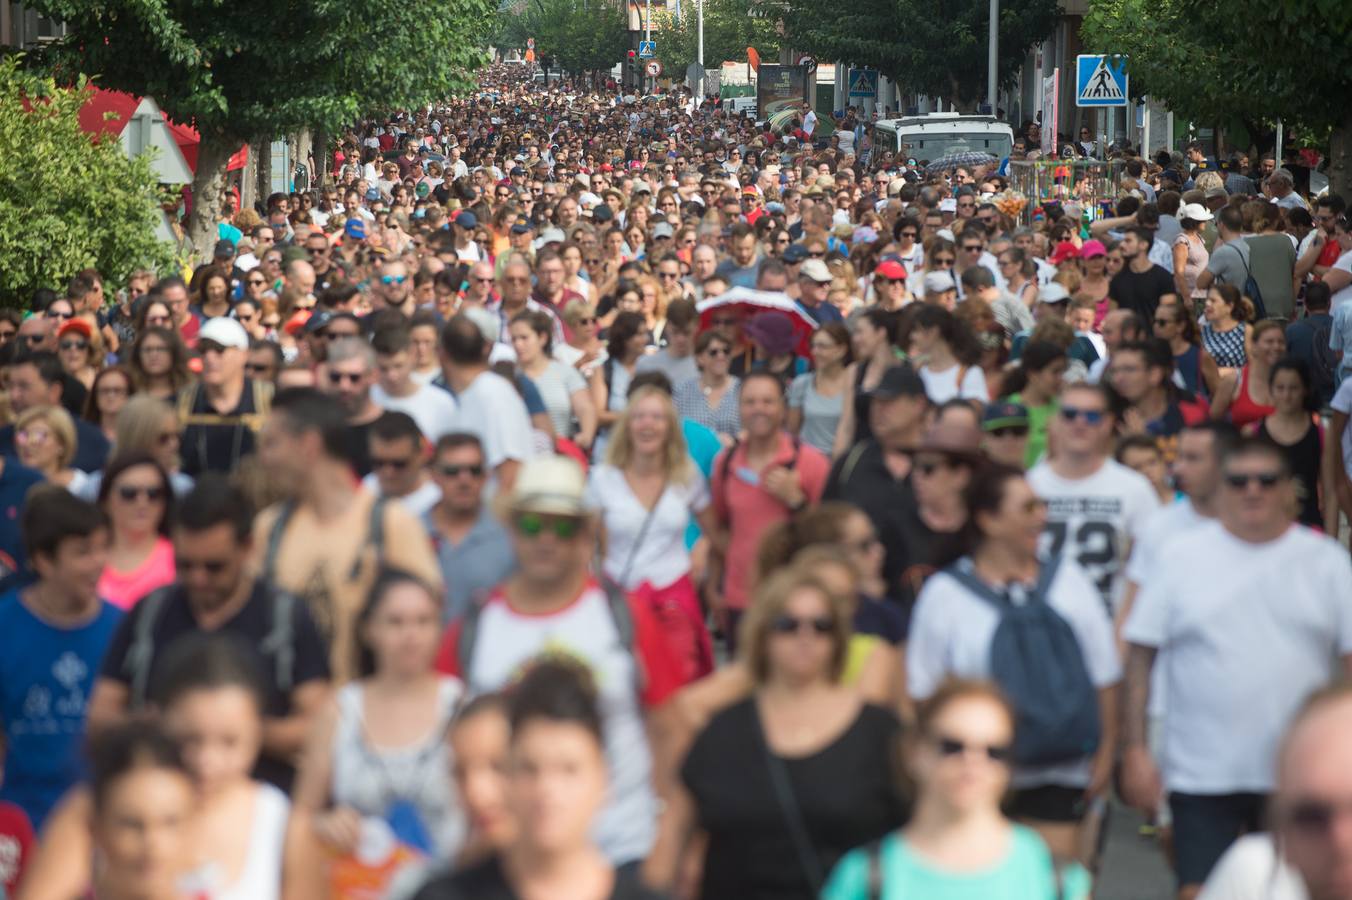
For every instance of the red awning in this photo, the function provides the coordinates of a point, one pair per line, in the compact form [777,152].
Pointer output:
[94,119]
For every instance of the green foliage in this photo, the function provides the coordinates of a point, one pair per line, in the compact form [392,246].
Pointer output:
[67,202]
[578,36]
[730,26]
[935,47]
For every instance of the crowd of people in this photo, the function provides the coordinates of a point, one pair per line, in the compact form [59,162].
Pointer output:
[582,496]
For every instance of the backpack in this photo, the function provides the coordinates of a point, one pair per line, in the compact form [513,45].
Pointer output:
[1325,363]
[1250,287]
[1036,660]
[620,613]
[279,643]
[375,537]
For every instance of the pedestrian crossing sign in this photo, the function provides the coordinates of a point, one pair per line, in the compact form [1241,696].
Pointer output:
[1100,80]
[863,84]
[647,49]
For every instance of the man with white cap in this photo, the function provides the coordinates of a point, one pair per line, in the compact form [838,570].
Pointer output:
[553,606]
[814,282]
[221,415]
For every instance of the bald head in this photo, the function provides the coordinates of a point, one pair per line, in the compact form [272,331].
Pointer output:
[1313,806]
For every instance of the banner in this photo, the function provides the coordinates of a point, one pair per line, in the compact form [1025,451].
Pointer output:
[1051,86]
[781,92]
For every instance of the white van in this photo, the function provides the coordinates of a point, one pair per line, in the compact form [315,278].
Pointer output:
[942,134]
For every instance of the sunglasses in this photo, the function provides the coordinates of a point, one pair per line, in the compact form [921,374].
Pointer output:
[1090,416]
[1164,321]
[258,368]
[717,352]
[819,625]
[128,493]
[951,747]
[256,282]
[945,260]
[74,345]
[1009,431]
[910,234]
[1241,480]
[930,467]
[971,248]
[389,463]
[533,525]
[454,471]
[337,378]
[393,279]
[821,255]
[212,567]
[60,315]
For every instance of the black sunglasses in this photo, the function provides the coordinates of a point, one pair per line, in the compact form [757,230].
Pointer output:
[454,471]
[1241,480]
[950,747]
[821,625]
[129,493]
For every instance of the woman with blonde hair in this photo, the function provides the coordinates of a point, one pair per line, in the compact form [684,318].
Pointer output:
[654,307]
[44,439]
[148,425]
[785,781]
[646,493]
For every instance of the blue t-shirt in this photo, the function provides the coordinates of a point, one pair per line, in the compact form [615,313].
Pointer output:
[703,445]
[15,482]
[46,676]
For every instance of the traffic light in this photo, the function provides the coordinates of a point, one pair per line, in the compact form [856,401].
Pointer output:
[632,74]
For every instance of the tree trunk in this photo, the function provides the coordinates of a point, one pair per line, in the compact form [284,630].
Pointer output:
[321,150]
[213,155]
[263,150]
[1340,158]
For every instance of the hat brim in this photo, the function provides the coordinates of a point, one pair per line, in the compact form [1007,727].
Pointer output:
[1005,422]
[550,505]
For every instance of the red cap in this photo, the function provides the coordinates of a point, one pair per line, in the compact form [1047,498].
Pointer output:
[890,268]
[607,167]
[1064,251]
[77,325]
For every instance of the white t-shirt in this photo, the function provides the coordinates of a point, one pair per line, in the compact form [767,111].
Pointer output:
[1249,631]
[1345,294]
[429,406]
[1252,870]
[943,386]
[662,557]
[1095,519]
[491,409]
[951,634]
[809,123]
[420,502]
[556,385]
[1342,402]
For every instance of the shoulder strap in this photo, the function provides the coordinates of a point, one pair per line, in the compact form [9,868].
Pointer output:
[808,859]
[142,651]
[623,617]
[280,641]
[375,536]
[851,460]
[876,880]
[275,539]
[638,538]
[469,634]
[961,571]
[187,399]
[727,464]
[262,394]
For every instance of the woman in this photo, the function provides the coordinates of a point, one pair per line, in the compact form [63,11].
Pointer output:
[1225,332]
[817,398]
[626,341]
[1294,426]
[1247,396]
[947,355]
[155,313]
[956,621]
[557,782]
[1036,384]
[44,439]
[646,493]
[585,351]
[654,308]
[136,496]
[107,396]
[773,345]
[141,816]
[562,388]
[958,844]
[159,363]
[211,696]
[80,349]
[572,272]
[1201,376]
[378,752]
[786,781]
[212,298]
[148,426]
[479,739]
[874,341]
[941,255]
[1094,278]
[635,236]
[249,313]
[255,287]
[1020,276]
[1190,255]
[711,398]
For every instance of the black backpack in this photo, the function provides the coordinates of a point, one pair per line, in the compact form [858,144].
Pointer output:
[1036,660]
[1325,363]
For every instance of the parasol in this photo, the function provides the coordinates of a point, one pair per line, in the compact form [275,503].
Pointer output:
[963,160]
[749,302]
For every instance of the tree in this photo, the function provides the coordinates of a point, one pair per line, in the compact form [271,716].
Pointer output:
[579,37]
[730,26]
[256,69]
[934,47]
[1241,59]
[68,201]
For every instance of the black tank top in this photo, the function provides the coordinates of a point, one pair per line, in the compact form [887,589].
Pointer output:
[1303,457]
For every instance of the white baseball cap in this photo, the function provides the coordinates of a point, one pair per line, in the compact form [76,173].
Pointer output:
[224,331]
[1195,211]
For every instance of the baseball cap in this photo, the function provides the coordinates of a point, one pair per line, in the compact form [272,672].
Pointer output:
[79,326]
[938,282]
[1052,293]
[225,332]
[466,219]
[1004,415]
[795,253]
[1215,191]
[224,249]
[1091,249]
[517,171]
[890,268]
[602,213]
[552,485]
[522,228]
[899,381]
[1195,211]
[815,270]
[372,195]
[663,230]
[1064,251]
[324,318]
[355,229]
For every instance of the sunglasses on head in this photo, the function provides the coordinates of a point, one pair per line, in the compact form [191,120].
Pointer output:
[950,747]
[820,625]
[533,525]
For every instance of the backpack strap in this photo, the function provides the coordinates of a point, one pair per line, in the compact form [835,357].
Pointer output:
[187,399]
[275,539]
[876,880]
[962,572]
[465,641]
[141,653]
[280,642]
[375,536]
[851,460]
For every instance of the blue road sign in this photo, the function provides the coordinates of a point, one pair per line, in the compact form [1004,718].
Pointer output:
[1100,80]
[863,84]
[647,49]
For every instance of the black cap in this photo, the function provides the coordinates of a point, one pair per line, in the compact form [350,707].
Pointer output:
[324,318]
[602,213]
[899,381]
[224,249]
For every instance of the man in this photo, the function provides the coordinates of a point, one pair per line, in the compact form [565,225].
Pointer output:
[1230,261]
[349,376]
[488,406]
[222,414]
[216,593]
[759,482]
[1140,372]
[396,390]
[1005,426]
[1136,171]
[393,289]
[814,283]
[1247,636]
[35,379]
[514,286]
[398,451]
[550,291]
[265,361]
[321,259]
[1310,340]
[1142,285]
[703,262]
[174,292]
[553,606]
[1095,505]
[740,267]
[53,634]
[474,549]
[38,333]
[1282,186]
[677,359]
[327,541]
[462,230]
[299,276]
